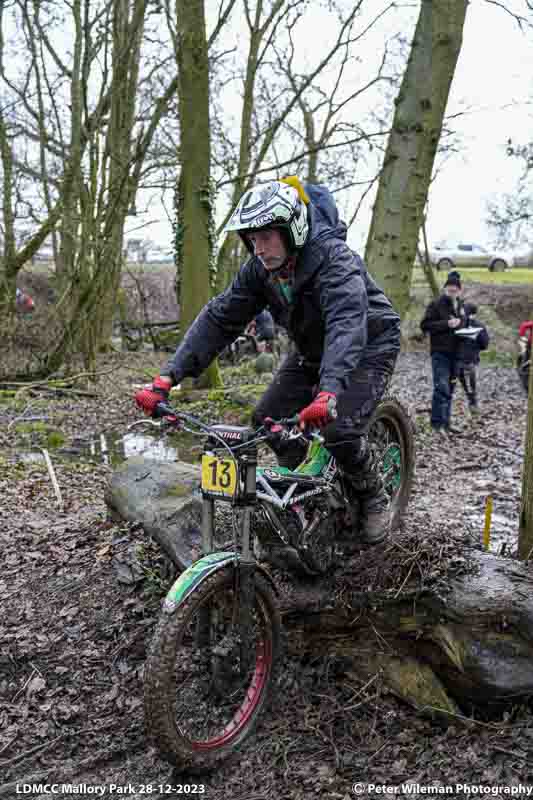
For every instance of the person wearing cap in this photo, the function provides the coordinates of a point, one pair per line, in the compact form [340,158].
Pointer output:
[345,333]
[442,317]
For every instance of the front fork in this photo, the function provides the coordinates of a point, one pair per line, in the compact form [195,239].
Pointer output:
[244,575]
[245,572]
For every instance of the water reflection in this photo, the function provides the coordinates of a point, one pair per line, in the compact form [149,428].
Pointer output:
[114,448]
[111,449]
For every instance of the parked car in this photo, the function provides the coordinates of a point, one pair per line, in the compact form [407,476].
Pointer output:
[524,259]
[159,257]
[465,254]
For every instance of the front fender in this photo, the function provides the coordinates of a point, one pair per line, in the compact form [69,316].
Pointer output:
[197,573]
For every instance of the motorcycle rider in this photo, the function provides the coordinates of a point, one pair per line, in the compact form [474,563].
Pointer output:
[345,332]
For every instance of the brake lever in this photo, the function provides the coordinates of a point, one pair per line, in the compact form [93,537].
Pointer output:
[151,422]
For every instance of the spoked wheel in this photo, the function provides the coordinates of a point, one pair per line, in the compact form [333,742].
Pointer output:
[391,434]
[204,687]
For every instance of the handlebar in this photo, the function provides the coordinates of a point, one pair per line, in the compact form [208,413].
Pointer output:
[270,429]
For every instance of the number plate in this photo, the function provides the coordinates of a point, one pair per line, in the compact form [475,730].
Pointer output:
[219,476]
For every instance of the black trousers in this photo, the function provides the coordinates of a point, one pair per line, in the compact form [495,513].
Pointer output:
[467,376]
[295,385]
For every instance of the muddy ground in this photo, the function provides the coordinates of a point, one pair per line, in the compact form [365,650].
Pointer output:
[80,597]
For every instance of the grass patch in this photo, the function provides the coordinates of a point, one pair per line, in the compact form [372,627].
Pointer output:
[479,275]
[497,358]
[40,434]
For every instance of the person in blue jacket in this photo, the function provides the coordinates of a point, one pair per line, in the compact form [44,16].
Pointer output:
[345,332]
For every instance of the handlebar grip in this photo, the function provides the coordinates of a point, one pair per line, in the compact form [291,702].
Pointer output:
[162,409]
[290,420]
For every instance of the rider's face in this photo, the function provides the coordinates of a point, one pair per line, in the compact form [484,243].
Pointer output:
[268,245]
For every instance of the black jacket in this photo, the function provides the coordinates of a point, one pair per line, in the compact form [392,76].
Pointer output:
[468,348]
[435,322]
[336,316]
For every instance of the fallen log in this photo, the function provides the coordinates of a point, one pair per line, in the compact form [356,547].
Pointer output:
[445,645]
[160,496]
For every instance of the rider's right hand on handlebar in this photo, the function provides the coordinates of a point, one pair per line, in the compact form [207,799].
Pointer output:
[148,398]
[322,410]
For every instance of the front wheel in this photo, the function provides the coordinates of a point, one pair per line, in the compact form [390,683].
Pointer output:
[391,435]
[204,689]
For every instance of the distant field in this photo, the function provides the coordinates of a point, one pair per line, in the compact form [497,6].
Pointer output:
[469,275]
[481,275]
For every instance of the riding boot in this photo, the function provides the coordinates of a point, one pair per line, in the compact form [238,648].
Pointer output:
[374,504]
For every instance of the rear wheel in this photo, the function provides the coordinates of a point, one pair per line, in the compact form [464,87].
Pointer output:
[498,265]
[391,435]
[204,688]
[445,263]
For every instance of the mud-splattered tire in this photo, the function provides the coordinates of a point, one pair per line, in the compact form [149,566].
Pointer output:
[162,670]
[391,433]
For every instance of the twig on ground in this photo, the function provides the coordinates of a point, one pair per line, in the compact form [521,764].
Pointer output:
[405,579]
[53,478]
[8,744]
[22,688]
[12,787]
[31,751]
[20,417]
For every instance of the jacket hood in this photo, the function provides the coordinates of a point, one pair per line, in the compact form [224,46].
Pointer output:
[323,215]
[324,223]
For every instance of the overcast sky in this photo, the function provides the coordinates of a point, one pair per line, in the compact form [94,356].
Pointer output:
[493,85]
[495,77]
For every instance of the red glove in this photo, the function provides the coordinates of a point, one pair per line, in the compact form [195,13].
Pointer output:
[526,329]
[321,411]
[147,399]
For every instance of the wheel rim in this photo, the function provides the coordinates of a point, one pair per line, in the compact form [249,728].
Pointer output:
[386,436]
[243,715]
[214,702]
[392,469]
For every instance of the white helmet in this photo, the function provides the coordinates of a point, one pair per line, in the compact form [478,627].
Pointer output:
[274,204]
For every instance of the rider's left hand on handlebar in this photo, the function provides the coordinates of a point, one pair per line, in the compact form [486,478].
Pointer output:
[322,410]
[148,398]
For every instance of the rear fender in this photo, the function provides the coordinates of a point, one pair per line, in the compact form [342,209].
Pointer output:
[197,573]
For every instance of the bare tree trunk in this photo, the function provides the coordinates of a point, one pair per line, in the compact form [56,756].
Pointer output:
[429,272]
[525,533]
[72,185]
[195,248]
[257,31]
[410,154]
[126,56]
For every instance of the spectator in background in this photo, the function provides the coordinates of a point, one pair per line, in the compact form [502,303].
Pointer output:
[525,335]
[264,326]
[471,339]
[441,319]
[23,301]
[526,330]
